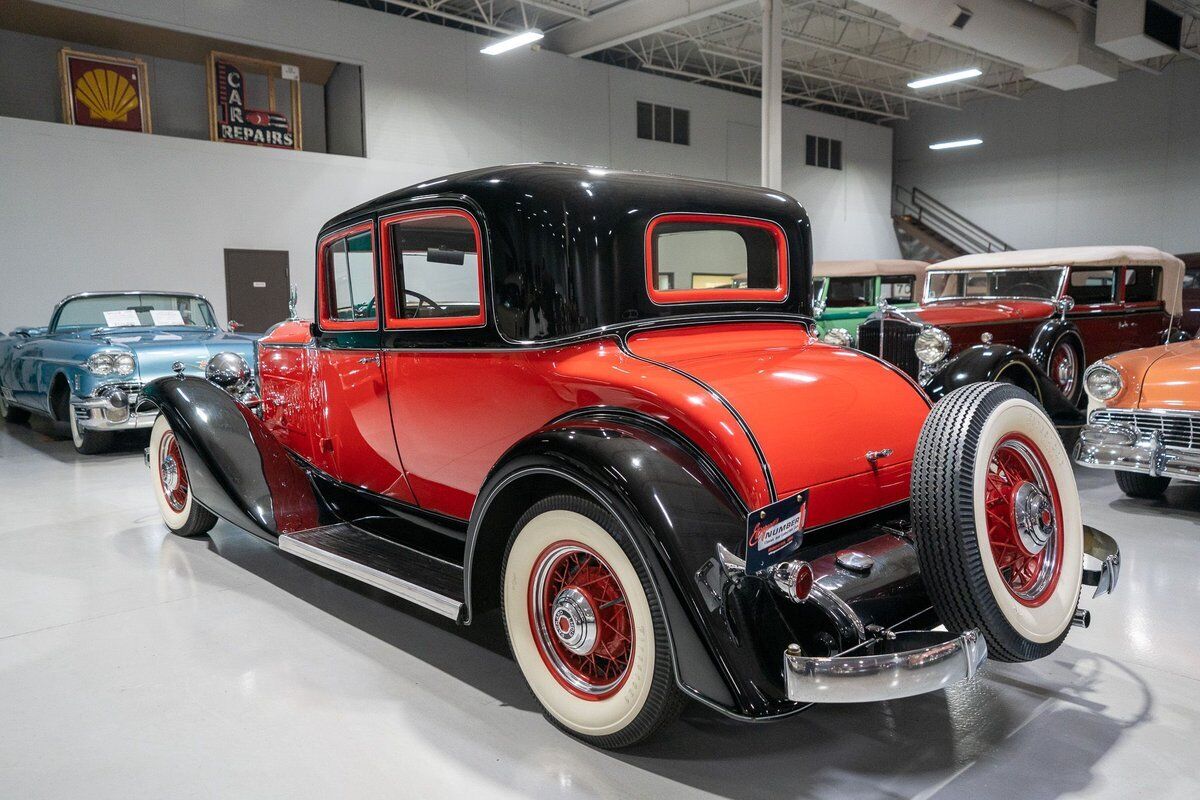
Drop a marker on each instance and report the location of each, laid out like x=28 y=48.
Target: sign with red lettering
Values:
x=774 y=532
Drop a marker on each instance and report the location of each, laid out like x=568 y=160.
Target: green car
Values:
x=845 y=293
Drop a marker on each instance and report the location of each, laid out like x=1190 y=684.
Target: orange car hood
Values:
x=814 y=410
x=1170 y=375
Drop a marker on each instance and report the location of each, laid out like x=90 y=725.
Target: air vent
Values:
x=961 y=18
x=1137 y=29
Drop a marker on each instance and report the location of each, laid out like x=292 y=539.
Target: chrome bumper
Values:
x=1112 y=446
x=901 y=665
x=113 y=411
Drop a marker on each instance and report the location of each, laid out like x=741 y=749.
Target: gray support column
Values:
x=772 y=94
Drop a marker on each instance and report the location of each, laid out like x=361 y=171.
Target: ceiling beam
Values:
x=628 y=21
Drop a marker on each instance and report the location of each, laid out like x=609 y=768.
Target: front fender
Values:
x=676 y=509
x=1006 y=364
x=236 y=468
x=1047 y=337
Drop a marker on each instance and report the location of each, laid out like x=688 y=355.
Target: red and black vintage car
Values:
x=670 y=491
x=1033 y=318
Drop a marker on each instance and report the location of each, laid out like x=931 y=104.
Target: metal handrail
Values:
x=946 y=222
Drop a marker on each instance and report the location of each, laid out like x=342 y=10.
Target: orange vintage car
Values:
x=1144 y=417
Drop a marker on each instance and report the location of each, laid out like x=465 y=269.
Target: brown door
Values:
x=256 y=288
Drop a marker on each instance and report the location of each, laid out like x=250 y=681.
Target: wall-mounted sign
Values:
x=242 y=98
x=104 y=91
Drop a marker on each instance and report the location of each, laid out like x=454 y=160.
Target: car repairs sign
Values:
x=775 y=532
x=231 y=116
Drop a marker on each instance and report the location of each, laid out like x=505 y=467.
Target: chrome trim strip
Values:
x=858 y=675
x=439 y=604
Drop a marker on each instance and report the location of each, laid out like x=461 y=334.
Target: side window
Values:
x=348 y=280
x=850 y=292
x=1141 y=284
x=433 y=271
x=1092 y=286
x=897 y=288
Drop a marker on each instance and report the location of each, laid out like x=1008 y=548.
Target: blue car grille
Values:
x=1175 y=429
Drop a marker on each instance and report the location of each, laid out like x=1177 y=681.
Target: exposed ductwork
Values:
x=1052 y=48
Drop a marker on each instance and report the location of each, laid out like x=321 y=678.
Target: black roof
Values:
x=565 y=242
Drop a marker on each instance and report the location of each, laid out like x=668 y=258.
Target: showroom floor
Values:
x=136 y=664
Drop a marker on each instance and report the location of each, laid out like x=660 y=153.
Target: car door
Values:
x=1098 y=312
x=1146 y=317
x=355 y=444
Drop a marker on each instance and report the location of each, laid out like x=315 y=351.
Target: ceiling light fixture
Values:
x=955 y=143
x=513 y=42
x=947 y=78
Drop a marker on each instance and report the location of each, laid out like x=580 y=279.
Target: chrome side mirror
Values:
x=819 y=307
x=293 y=296
x=1064 y=304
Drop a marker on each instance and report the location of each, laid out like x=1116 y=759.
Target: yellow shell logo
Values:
x=107 y=95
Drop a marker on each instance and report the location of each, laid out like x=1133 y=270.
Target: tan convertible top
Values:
x=1171 y=288
x=865 y=267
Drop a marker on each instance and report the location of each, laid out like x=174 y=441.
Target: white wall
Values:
x=1113 y=164
x=89 y=208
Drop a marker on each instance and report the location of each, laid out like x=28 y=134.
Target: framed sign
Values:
x=104 y=91
x=242 y=96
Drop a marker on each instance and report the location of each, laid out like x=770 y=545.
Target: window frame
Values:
x=1140 y=304
x=325 y=319
x=676 y=296
x=391 y=318
x=1118 y=288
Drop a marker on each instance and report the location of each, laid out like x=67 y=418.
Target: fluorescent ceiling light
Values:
x=513 y=42
x=947 y=78
x=956 y=143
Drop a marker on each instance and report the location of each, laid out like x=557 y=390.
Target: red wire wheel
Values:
x=1024 y=520
x=580 y=620
x=172 y=473
x=1064 y=369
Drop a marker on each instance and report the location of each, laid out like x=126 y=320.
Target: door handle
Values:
x=369 y=360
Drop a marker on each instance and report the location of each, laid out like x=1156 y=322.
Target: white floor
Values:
x=134 y=664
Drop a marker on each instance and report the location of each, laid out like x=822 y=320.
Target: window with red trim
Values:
x=705 y=258
x=433 y=270
x=348 y=280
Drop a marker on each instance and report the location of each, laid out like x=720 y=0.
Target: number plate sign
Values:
x=774 y=532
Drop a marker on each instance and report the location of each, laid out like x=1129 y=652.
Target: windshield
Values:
x=1040 y=283
x=132 y=311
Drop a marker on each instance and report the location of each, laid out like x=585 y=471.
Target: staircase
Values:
x=929 y=230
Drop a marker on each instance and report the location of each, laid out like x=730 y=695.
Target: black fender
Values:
x=1007 y=364
x=1048 y=336
x=236 y=468
x=676 y=508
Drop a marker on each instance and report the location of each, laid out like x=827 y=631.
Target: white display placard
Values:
x=168 y=316
x=123 y=318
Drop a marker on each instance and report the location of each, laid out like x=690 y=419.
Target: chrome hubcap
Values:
x=1034 y=516
x=170 y=473
x=574 y=621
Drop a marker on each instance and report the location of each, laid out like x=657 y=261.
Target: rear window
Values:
x=897 y=288
x=1141 y=284
x=713 y=258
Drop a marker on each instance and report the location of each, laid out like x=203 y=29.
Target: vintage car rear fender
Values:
x=1048 y=336
x=1001 y=362
x=236 y=468
x=677 y=508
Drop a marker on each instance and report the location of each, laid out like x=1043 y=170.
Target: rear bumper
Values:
x=904 y=664
x=1119 y=447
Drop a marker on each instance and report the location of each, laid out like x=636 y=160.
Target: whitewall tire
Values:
x=997 y=520
x=172 y=489
x=585 y=625
x=86 y=442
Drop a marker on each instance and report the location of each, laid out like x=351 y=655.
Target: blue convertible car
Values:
x=88 y=365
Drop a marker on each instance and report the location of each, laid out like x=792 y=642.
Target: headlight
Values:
x=1102 y=382
x=932 y=345
x=110 y=364
x=838 y=337
x=229 y=371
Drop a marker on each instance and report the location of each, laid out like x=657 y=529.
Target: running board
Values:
x=429 y=582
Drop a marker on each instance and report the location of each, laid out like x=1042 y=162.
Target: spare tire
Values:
x=997 y=521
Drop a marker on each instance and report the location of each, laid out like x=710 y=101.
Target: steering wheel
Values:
x=1038 y=291
x=422 y=299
